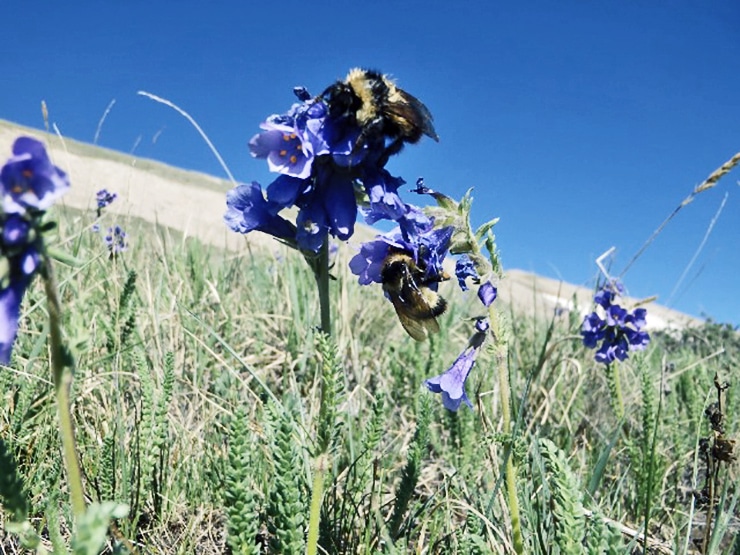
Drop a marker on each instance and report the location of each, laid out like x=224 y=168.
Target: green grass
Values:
x=197 y=404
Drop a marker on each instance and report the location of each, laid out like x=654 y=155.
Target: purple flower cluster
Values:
x=29 y=184
x=116 y=240
x=104 y=198
x=321 y=161
x=619 y=332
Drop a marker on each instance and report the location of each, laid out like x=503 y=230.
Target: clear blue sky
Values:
x=581 y=124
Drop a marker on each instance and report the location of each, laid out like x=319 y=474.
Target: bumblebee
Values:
x=417 y=304
x=380 y=109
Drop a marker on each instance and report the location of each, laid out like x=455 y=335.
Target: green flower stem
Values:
x=616 y=389
x=321 y=272
x=501 y=359
x=61 y=363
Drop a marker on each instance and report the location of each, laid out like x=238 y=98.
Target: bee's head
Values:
x=342 y=101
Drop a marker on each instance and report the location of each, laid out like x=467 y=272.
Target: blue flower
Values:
x=451 y=384
x=29 y=180
x=29 y=184
x=464 y=268
x=335 y=191
x=116 y=240
x=104 y=198
x=322 y=156
x=592 y=330
x=428 y=250
x=247 y=210
x=19 y=247
x=290 y=142
x=368 y=263
x=382 y=190
x=487 y=293
x=619 y=331
x=284 y=148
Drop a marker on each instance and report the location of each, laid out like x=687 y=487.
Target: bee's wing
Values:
x=412 y=109
x=416 y=310
x=417 y=328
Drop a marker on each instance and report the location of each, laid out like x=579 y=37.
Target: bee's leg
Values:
x=393 y=148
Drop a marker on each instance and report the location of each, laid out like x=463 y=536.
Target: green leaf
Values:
x=64 y=258
x=26 y=535
x=485 y=228
x=92 y=527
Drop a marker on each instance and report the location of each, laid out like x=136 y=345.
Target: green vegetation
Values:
x=196 y=403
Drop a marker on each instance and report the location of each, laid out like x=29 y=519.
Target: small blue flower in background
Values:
x=619 y=331
x=104 y=198
x=451 y=384
x=30 y=184
x=29 y=180
x=116 y=240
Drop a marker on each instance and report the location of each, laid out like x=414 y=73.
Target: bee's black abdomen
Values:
x=439 y=308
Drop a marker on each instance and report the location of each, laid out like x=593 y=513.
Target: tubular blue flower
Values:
x=247 y=210
x=311 y=225
x=451 y=384
x=464 y=268
x=432 y=250
x=487 y=293
x=286 y=190
x=337 y=194
x=619 y=331
x=382 y=190
x=29 y=180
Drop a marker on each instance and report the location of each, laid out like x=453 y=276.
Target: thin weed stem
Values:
x=708 y=183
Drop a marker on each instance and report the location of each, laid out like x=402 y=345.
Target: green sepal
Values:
x=445 y=202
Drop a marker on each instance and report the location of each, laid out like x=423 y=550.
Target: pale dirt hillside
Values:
x=194 y=203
